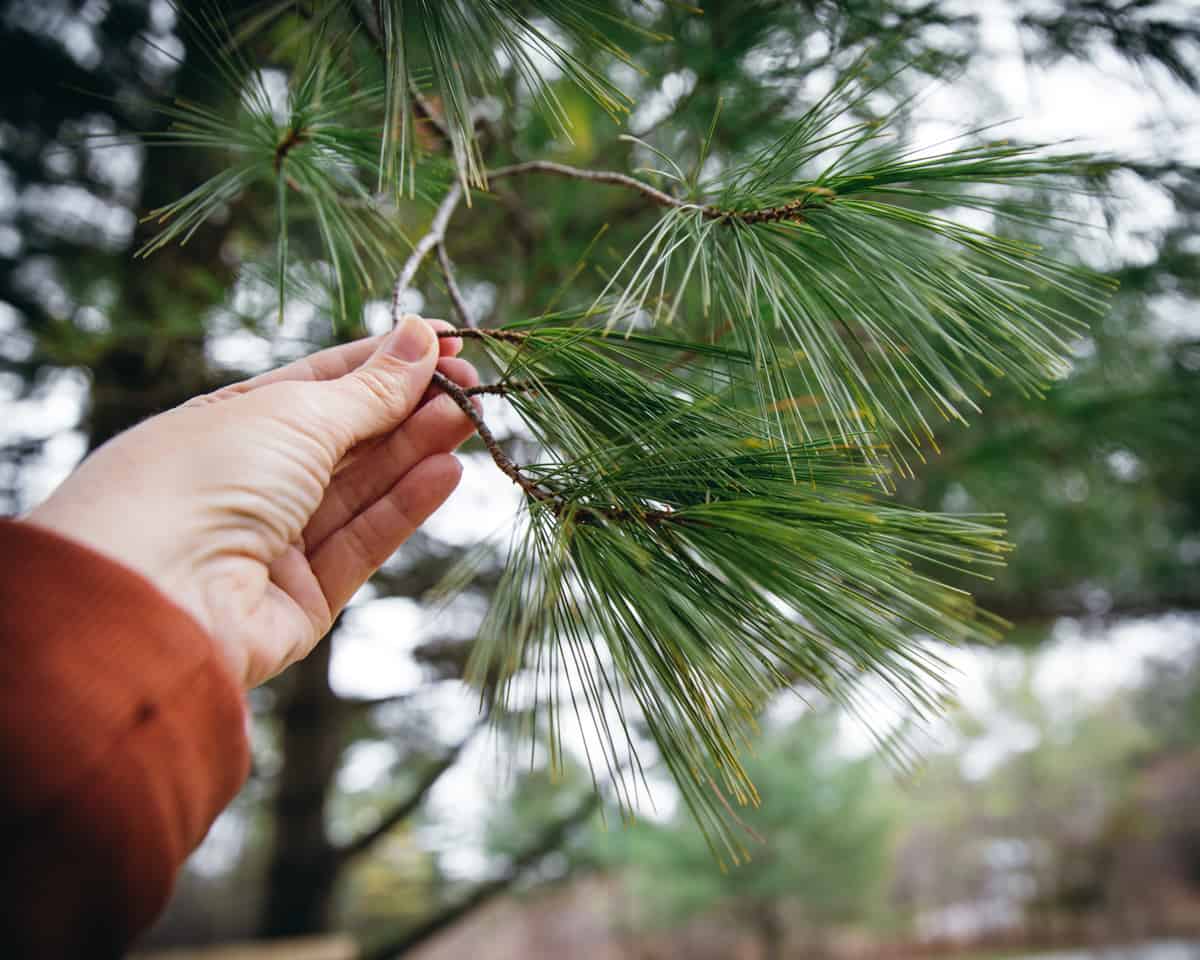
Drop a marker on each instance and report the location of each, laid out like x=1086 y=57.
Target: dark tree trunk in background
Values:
x=157 y=359
x=770 y=932
x=303 y=866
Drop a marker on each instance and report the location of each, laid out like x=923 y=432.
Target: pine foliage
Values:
x=670 y=528
x=708 y=520
x=836 y=237
x=467 y=46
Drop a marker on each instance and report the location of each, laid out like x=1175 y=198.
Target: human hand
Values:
x=261 y=508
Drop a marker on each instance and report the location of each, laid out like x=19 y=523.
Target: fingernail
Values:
x=410 y=340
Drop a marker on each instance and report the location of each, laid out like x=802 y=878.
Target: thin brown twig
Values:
x=502 y=389
x=792 y=211
x=579 y=512
x=502 y=459
x=481 y=333
x=456 y=297
x=293 y=138
x=437 y=232
x=596 y=176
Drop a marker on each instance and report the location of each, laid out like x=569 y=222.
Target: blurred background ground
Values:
x=1057 y=807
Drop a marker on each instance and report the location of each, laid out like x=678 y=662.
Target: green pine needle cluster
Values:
x=316 y=149
x=674 y=537
x=836 y=242
x=467 y=48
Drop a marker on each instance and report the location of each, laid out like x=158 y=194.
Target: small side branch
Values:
x=580 y=512
x=503 y=389
x=792 y=211
x=456 y=297
x=502 y=459
x=435 y=236
x=596 y=176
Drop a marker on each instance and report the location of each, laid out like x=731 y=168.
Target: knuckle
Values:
x=391 y=383
x=380 y=387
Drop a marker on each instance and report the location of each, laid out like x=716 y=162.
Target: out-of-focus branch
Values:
x=406 y=807
x=368 y=15
x=370 y=703
x=424 y=109
x=549 y=840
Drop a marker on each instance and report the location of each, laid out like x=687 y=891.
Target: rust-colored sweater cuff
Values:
x=122 y=736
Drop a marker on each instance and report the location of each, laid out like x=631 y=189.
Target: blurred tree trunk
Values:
x=303 y=866
x=770 y=931
x=552 y=837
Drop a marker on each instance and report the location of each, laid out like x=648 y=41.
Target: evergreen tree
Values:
x=823 y=826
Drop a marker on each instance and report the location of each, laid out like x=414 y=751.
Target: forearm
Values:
x=122 y=736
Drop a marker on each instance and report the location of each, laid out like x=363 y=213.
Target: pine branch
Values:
x=716 y=566
x=423 y=247
x=434 y=239
x=456 y=297
x=550 y=839
x=890 y=313
x=307 y=150
x=407 y=806
x=792 y=210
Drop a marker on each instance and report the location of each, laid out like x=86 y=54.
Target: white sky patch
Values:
x=1082 y=664
x=53 y=411
x=365 y=765
x=372 y=654
x=656 y=106
x=267 y=91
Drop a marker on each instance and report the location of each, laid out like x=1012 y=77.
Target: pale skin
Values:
x=261 y=508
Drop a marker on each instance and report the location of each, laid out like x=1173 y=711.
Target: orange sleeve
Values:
x=122 y=736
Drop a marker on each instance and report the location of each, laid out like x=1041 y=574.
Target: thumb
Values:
x=380 y=394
